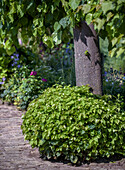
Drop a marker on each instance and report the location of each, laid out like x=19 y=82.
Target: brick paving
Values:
x=16 y=154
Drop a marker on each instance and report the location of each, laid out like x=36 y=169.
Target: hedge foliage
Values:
x=74 y=124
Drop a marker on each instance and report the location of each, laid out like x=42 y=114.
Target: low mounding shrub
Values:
x=73 y=124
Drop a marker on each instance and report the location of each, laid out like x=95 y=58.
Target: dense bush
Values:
x=74 y=124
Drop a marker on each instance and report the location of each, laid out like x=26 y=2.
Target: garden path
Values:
x=16 y=154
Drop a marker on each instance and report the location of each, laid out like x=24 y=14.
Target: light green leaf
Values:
x=58 y=154
x=11 y=17
x=40 y=22
x=109 y=15
x=86 y=8
x=89 y=18
x=20 y=10
x=112 y=52
x=41 y=142
x=30 y=4
x=35 y=21
x=73 y=159
x=35 y=32
x=120 y=1
x=120 y=51
x=74 y=3
x=82 y=132
x=39 y=8
x=57 y=37
x=48 y=41
x=64 y=22
x=100 y=22
x=52 y=9
x=11 y=50
x=13 y=9
x=106 y=6
x=114 y=41
x=57 y=26
x=54 y=35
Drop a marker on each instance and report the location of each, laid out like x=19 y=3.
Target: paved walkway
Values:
x=16 y=154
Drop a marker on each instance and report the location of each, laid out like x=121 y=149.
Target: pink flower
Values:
x=33 y=73
x=45 y=80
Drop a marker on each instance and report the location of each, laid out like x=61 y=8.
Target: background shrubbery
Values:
x=52 y=66
x=73 y=124
x=114 y=82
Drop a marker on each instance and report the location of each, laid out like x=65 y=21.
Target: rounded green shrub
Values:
x=74 y=124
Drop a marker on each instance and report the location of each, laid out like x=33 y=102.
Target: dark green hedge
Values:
x=72 y=123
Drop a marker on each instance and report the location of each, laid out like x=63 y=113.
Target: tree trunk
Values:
x=88 y=65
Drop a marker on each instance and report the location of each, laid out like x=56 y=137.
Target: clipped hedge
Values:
x=74 y=124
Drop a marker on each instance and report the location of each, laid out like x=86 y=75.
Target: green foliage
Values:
x=73 y=124
x=74 y=4
x=10 y=88
x=29 y=89
x=54 y=20
x=5 y=63
x=107 y=6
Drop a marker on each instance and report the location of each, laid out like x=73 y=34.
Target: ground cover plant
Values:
x=73 y=124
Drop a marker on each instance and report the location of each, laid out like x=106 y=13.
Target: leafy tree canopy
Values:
x=54 y=21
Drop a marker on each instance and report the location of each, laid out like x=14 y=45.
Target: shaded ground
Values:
x=16 y=154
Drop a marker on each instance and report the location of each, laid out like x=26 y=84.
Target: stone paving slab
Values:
x=17 y=154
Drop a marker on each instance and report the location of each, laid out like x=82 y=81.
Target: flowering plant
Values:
x=114 y=82
x=33 y=73
x=26 y=85
x=45 y=80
